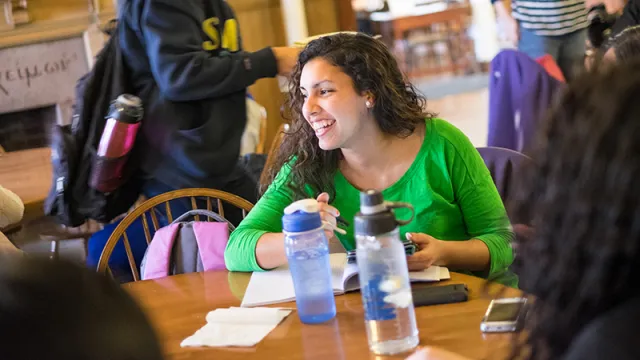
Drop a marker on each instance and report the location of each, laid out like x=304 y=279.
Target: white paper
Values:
x=269 y=287
x=253 y=316
x=276 y=286
x=236 y=327
x=433 y=273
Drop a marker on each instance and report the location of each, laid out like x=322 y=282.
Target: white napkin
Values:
x=236 y=327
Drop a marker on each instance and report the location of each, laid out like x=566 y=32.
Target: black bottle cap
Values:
x=374 y=217
x=126 y=108
x=371 y=198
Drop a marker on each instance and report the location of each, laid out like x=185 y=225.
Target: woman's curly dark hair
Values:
x=398 y=108
x=583 y=193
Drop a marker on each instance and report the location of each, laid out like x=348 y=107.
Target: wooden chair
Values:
x=149 y=207
x=273 y=150
x=262 y=138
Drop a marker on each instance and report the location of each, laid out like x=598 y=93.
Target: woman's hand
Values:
x=430 y=251
x=286 y=57
x=327 y=213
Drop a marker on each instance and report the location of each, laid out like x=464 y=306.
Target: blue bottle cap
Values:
x=301 y=216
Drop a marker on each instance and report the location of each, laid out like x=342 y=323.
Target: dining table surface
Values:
x=28 y=173
x=177 y=306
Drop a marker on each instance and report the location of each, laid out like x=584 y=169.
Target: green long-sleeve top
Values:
x=448 y=184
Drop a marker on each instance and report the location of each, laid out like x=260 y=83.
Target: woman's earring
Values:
x=368 y=103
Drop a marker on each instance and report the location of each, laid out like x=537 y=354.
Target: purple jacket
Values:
x=520 y=93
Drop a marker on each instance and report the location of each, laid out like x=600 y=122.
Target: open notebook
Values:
x=276 y=286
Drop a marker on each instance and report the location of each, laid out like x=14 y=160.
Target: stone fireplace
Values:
x=27 y=129
x=37 y=85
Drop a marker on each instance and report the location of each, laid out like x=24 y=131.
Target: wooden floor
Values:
x=469 y=112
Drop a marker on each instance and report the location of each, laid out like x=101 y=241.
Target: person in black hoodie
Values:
x=188 y=67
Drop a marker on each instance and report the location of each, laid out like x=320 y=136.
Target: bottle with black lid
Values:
x=384 y=276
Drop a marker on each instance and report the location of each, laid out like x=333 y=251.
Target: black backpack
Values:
x=71 y=200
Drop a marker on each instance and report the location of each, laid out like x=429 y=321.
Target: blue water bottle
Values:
x=307 y=251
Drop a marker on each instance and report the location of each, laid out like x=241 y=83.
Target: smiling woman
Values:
x=357 y=124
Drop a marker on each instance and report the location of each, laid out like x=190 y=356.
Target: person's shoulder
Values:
x=441 y=129
x=610 y=336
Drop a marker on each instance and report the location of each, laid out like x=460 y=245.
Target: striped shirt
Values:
x=550 y=17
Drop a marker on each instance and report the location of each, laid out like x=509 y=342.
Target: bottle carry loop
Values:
x=400 y=205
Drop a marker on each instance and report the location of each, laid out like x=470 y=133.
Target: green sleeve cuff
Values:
x=500 y=251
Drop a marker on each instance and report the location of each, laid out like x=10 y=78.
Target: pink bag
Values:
x=185 y=247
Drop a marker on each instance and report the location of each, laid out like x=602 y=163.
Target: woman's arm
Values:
x=258 y=242
x=270 y=251
x=482 y=208
x=470 y=255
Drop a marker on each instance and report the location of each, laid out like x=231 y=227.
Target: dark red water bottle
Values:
x=118 y=138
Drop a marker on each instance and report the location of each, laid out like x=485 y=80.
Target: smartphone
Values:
x=504 y=315
x=409 y=248
x=435 y=295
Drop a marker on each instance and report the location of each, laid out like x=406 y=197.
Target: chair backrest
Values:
x=521 y=92
x=273 y=150
x=150 y=209
x=262 y=139
x=503 y=164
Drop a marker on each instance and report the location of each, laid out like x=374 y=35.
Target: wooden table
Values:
x=177 y=306
x=28 y=173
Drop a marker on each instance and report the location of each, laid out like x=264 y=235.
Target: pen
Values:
x=342 y=221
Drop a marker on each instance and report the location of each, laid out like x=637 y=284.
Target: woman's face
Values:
x=332 y=107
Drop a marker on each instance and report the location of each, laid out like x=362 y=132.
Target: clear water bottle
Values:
x=307 y=251
x=390 y=318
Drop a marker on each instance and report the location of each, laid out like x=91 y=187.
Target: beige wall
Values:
x=261 y=24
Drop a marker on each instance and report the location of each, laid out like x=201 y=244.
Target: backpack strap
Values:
x=212 y=239
x=158 y=256
x=207 y=213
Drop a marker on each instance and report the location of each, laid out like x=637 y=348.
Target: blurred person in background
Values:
x=629 y=13
x=583 y=262
x=624 y=47
x=363 y=10
x=59 y=310
x=603 y=18
x=621 y=48
x=553 y=27
x=187 y=63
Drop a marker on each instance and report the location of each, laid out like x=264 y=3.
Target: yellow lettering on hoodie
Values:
x=229 y=35
x=209 y=28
